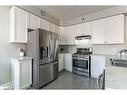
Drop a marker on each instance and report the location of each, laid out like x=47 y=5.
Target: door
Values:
x=21 y=24
x=71 y=35
x=34 y=21
x=79 y=29
x=68 y=62
x=53 y=46
x=115 y=27
x=47 y=73
x=87 y=28
x=26 y=73
x=98 y=31
x=44 y=46
x=61 y=62
x=44 y=24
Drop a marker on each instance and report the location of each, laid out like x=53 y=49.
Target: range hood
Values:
x=83 y=37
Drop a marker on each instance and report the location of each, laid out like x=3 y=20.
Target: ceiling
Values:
x=70 y=12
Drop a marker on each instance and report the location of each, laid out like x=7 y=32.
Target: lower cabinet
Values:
x=61 y=61
x=97 y=65
x=21 y=71
x=68 y=62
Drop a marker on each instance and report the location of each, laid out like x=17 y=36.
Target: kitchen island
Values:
x=115 y=76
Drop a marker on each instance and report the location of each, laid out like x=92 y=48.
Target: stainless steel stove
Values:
x=82 y=62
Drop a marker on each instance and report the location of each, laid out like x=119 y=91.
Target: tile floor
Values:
x=68 y=80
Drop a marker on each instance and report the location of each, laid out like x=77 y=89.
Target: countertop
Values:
x=115 y=76
x=22 y=58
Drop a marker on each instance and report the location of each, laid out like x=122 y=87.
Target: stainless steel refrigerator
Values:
x=43 y=46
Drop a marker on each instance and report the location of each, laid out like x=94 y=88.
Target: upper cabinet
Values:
x=34 y=21
x=98 y=31
x=51 y=27
x=115 y=30
x=57 y=29
x=83 y=29
x=87 y=28
x=71 y=35
x=18 y=25
x=104 y=30
x=44 y=24
x=63 y=35
x=79 y=28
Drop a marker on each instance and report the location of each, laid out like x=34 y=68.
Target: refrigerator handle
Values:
x=50 y=47
x=56 y=49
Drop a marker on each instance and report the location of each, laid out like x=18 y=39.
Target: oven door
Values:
x=81 y=65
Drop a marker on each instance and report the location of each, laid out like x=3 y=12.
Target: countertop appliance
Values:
x=42 y=46
x=82 y=62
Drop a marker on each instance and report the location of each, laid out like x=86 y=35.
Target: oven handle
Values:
x=87 y=59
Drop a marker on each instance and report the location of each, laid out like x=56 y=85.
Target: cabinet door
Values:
x=87 y=28
x=44 y=24
x=115 y=29
x=62 y=35
x=51 y=27
x=57 y=29
x=26 y=73
x=98 y=31
x=34 y=21
x=71 y=35
x=97 y=65
x=61 y=62
x=79 y=28
x=18 y=25
x=68 y=62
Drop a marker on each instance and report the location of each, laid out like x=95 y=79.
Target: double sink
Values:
x=120 y=61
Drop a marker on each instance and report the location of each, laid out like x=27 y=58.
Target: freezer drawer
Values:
x=47 y=73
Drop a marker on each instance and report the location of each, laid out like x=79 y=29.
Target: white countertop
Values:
x=22 y=58
x=115 y=76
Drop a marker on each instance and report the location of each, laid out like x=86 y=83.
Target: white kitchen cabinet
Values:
x=57 y=29
x=115 y=29
x=104 y=30
x=71 y=35
x=18 y=25
x=79 y=28
x=61 y=61
x=62 y=35
x=87 y=28
x=83 y=29
x=97 y=65
x=44 y=24
x=68 y=62
x=34 y=21
x=51 y=27
x=98 y=31
x=21 y=71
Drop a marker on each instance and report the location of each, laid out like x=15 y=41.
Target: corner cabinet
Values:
x=21 y=71
x=18 y=25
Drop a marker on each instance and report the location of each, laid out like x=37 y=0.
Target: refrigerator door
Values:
x=44 y=46
x=47 y=73
x=53 y=46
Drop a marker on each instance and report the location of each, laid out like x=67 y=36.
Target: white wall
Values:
x=6 y=49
